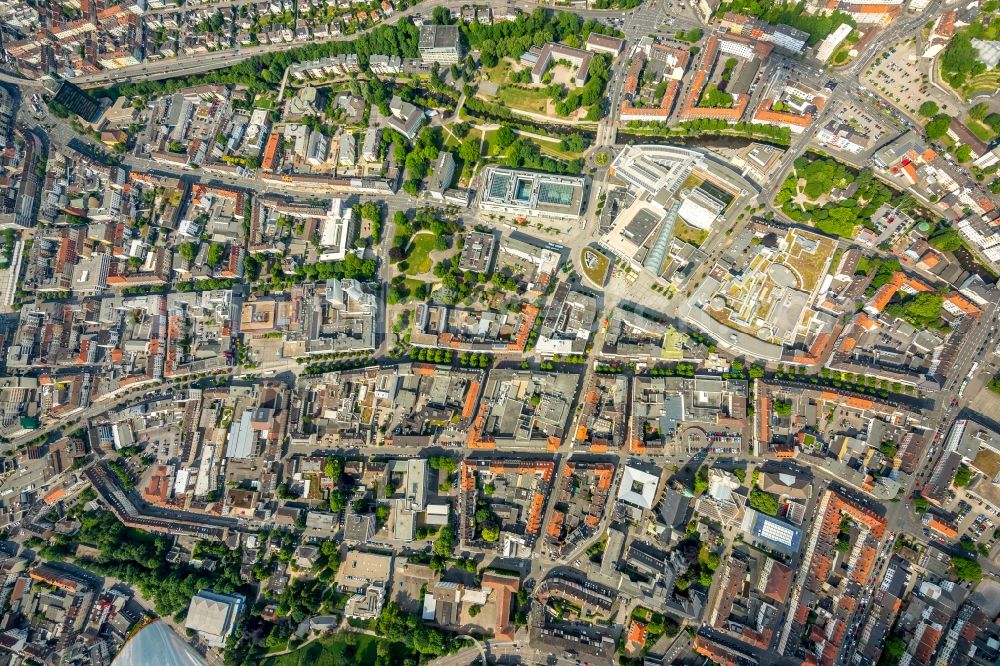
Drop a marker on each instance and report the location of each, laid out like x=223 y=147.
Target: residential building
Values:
x=441 y=177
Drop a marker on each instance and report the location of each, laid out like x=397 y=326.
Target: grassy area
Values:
x=451 y=141
x=552 y=149
x=687 y=233
x=980 y=130
x=533 y=100
x=842 y=55
x=413 y=287
x=691 y=181
x=809 y=266
x=418 y=253
x=332 y=651
x=498 y=74
x=490 y=148
x=595 y=266
x=985 y=82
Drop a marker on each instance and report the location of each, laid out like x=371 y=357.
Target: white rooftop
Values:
x=638 y=488
x=721 y=485
x=213 y=615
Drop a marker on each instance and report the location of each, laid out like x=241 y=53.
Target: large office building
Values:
x=214 y=616
x=77 y=101
x=528 y=194
x=440 y=43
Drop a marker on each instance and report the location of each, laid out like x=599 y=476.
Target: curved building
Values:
x=157 y=644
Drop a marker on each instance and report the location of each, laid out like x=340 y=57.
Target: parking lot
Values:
x=863 y=122
x=901 y=77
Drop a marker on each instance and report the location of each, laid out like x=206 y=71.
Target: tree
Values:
x=504 y=137
x=336 y=501
x=979 y=111
x=574 y=143
x=444 y=544
x=960 y=59
x=963 y=153
x=946 y=239
x=967 y=568
x=443 y=463
x=922 y=310
x=763 y=501
x=188 y=251
x=929 y=109
x=938 y=127
x=962 y=477
x=491 y=533
x=468 y=152
x=215 y=253
x=701 y=480
x=333 y=468
x=441 y=16
x=893 y=651
x=994 y=384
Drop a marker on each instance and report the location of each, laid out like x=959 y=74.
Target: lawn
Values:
x=552 y=149
x=412 y=285
x=809 y=266
x=451 y=142
x=418 y=253
x=988 y=462
x=987 y=82
x=595 y=265
x=688 y=234
x=980 y=130
x=490 y=148
x=533 y=100
x=331 y=651
x=499 y=73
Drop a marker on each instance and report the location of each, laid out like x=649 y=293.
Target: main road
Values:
x=199 y=63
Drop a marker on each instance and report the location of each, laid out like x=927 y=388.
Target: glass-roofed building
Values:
x=529 y=194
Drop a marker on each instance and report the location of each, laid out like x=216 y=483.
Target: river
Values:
x=731 y=142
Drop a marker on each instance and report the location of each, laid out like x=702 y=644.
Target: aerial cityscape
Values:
x=597 y=332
